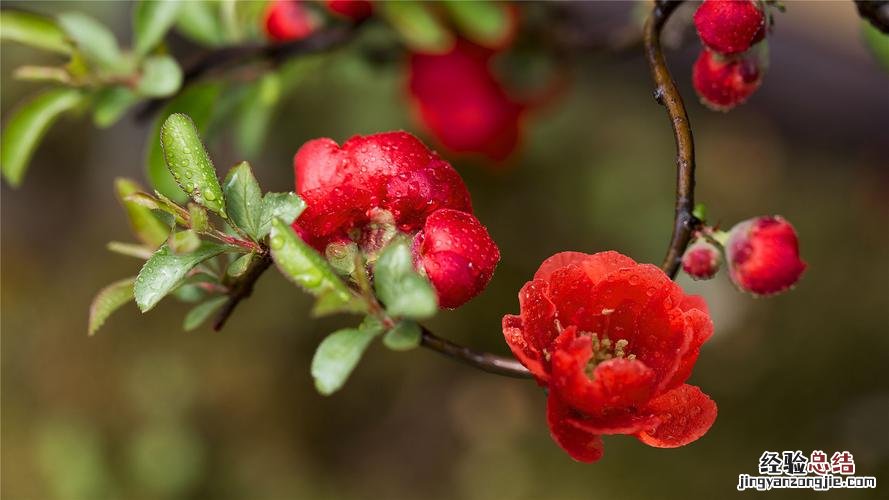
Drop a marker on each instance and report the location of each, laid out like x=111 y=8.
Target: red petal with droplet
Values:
x=580 y=444
x=684 y=414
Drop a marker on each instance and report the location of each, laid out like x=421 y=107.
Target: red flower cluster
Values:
x=463 y=104
x=614 y=342
x=763 y=255
x=731 y=66
x=393 y=178
x=287 y=20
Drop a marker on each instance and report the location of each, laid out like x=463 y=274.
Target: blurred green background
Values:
x=145 y=411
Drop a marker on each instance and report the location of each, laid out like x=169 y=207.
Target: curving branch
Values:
x=488 y=362
x=242 y=288
x=667 y=94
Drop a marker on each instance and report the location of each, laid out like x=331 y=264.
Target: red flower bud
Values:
x=287 y=20
x=723 y=83
x=463 y=104
x=701 y=260
x=614 y=342
x=457 y=254
x=353 y=9
x=730 y=26
x=763 y=255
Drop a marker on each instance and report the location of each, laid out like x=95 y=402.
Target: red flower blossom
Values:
x=724 y=83
x=701 y=260
x=463 y=104
x=353 y=9
x=614 y=342
x=730 y=26
x=392 y=177
x=457 y=254
x=287 y=20
x=763 y=255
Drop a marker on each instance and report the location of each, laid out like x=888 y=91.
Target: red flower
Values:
x=463 y=104
x=353 y=9
x=763 y=255
x=730 y=26
x=614 y=342
x=392 y=177
x=723 y=83
x=701 y=260
x=457 y=254
x=287 y=20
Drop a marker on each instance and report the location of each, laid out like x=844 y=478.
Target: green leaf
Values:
x=342 y=256
x=108 y=300
x=483 y=22
x=198 y=314
x=161 y=77
x=240 y=265
x=151 y=21
x=200 y=21
x=243 y=199
x=405 y=336
x=878 y=42
x=200 y=222
x=95 y=41
x=404 y=292
x=147 y=228
x=184 y=242
x=111 y=103
x=27 y=126
x=417 y=25
x=302 y=265
x=141 y=252
x=198 y=102
x=34 y=30
x=190 y=164
x=337 y=356
x=164 y=270
x=256 y=113
x=284 y=206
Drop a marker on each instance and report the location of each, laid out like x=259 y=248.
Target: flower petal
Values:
x=702 y=329
x=580 y=444
x=685 y=414
x=597 y=265
x=538 y=315
x=527 y=354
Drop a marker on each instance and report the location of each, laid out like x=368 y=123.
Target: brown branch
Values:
x=488 y=362
x=242 y=288
x=239 y=55
x=666 y=93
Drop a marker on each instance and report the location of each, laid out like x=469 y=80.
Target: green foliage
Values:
x=417 y=25
x=240 y=265
x=406 y=335
x=338 y=354
x=28 y=125
x=190 y=164
x=284 y=206
x=404 y=292
x=199 y=20
x=256 y=113
x=877 y=42
x=165 y=270
x=95 y=41
x=151 y=21
x=147 y=228
x=199 y=314
x=484 y=22
x=243 y=199
x=111 y=103
x=161 y=77
x=34 y=30
x=108 y=300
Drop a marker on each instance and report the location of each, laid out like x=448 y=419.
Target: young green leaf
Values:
x=256 y=112
x=151 y=21
x=405 y=336
x=198 y=314
x=200 y=21
x=190 y=164
x=27 y=126
x=417 y=25
x=111 y=103
x=34 y=30
x=243 y=199
x=108 y=300
x=200 y=221
x=197 y=101
x=302 y=265
x=404 y=292
x=161 y=76
x=239 y=266
x=331 y=302
x=164 y=270
x=147 y=228
x=183 y=242
x=483 y=22
x=140 y=252
x=284 y=206
x=95 y=41
x=337 y=356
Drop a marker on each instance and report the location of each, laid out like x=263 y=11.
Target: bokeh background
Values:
x=145 y=411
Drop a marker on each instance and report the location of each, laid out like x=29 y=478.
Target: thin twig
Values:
x=488 y=362
x=242 y=288
x=666 y=93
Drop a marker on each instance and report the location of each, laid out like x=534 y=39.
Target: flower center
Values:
x=604 y=349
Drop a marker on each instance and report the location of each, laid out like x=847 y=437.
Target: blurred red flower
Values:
x=287 y=20
x=763 y=255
